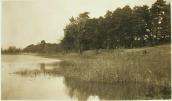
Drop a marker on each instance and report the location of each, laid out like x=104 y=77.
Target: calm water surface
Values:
x=46 y=86
x=31 y=87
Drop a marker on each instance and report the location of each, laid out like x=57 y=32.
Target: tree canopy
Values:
x=122 y=28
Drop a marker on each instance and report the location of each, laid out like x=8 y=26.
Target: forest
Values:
x=122 y=28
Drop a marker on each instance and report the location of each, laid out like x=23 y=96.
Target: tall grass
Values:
x=129 y=65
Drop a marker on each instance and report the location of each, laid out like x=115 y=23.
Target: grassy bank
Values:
x=150 y=65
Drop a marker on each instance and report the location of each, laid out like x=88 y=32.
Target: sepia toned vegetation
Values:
x=42 y=47
x=108 y=46
x=131 y=65
x=125 y=49
x=122 y=28
x=147 y=68
x=113 y=48
x=11 y=50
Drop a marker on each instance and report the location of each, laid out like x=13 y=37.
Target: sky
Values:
x=26 y=22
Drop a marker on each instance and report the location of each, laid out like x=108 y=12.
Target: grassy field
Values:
x=151 y=65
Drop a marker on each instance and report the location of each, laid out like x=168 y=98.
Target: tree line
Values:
x=41 y=47
x=122 y=28
x=11 y=50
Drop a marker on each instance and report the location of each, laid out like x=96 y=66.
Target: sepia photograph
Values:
x=85 y=50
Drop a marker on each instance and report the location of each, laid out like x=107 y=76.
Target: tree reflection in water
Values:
x=114 y=91
x=82 y=90
x=42 y=66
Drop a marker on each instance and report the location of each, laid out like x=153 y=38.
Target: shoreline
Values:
x=120 y=65
x=123 y=66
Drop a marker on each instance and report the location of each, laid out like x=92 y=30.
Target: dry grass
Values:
x=142 y=73
x=124 y=65
x=150 y=65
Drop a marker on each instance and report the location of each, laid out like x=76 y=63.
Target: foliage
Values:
x=119 y=65
x=122 y=28
x=11 y=50
x=42 y=47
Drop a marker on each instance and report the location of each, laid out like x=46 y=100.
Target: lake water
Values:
x=41 y=85
x=19 y=87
